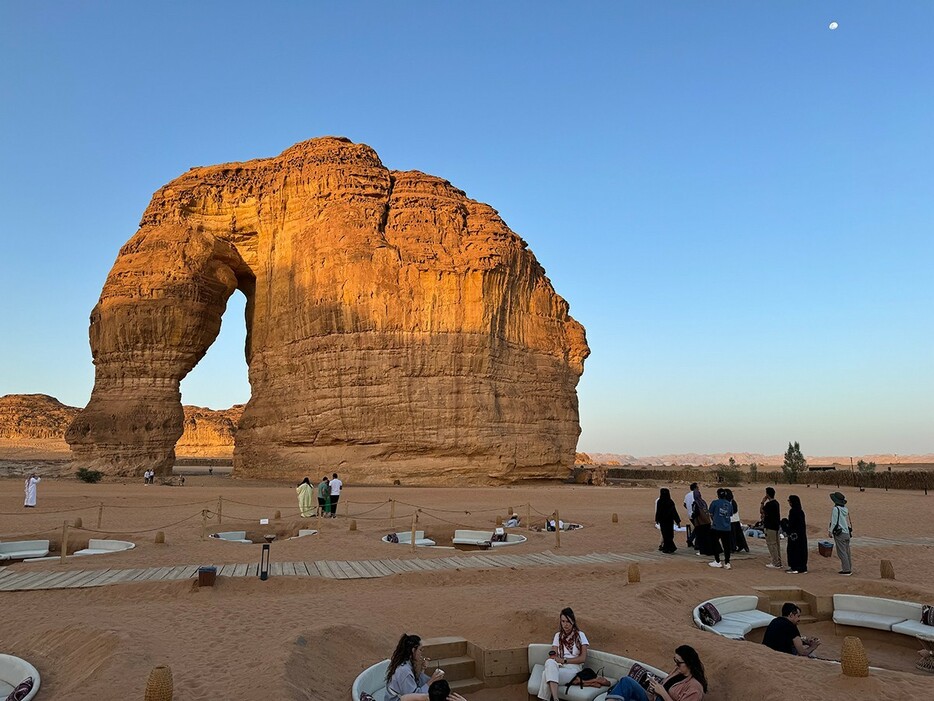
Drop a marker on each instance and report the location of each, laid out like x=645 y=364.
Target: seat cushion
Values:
x=756 y=619
x=732 y=629
x=913 y=628
x=865 y=620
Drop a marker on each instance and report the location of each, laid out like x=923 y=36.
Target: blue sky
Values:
x=736 y=201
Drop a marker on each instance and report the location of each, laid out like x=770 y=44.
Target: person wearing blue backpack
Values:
x=721 y=510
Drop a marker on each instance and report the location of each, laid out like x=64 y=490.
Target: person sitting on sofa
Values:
x=782 y=634
x=405 y=676
x=441 y=691
x=687 y=682
x=567 y=656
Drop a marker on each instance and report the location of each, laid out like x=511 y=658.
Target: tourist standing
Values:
x=666 y=516
x=841 y=527
x=797 y=530
x=738 y=539
x=305 y=498
x=30 y=490
x=720 y=512
x=703 y=540
x=771 y=522
x=689 y=510
x=336 y=485
x=324 y=497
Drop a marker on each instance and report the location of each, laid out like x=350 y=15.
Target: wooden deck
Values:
x=20 y=580
x=330 y=569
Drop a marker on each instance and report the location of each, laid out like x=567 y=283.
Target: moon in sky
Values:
x=833 y=25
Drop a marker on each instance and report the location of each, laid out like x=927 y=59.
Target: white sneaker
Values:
x=792 y=572
x=774 y=567
x=727 y=566
x=715 y=564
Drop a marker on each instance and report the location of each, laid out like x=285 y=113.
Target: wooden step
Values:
x=781 y=593
x=455 y=668
x=439 y=648
x=466 y=686
x=775 y=607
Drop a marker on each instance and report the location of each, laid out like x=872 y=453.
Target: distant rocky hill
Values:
x=744 y=459
x=37 y=422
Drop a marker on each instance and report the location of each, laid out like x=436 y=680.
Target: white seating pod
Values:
x=614 y=668
x=23 y=549
x=739 y=616
x=101 y=546
x=882 y=614
x=13 y=671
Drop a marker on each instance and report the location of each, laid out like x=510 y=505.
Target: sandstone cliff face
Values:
x=208 y=433
x=27 y=417
x=395 y=328
x=38 y=422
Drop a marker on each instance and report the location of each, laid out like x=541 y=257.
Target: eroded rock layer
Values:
x=395 y=328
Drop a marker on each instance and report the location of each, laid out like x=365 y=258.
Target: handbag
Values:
x=587 y=677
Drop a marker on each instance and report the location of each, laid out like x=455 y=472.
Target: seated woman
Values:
x=567 y=656
x=405 y=678
x=688 y=682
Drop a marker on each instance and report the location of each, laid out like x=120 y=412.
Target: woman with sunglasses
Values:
x=688 y=682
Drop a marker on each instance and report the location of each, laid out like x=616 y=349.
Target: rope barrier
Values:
x=146 y=530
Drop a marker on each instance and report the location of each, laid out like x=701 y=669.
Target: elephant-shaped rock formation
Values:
x=396 y=330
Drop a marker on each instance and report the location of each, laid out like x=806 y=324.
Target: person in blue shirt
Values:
x=721 y=510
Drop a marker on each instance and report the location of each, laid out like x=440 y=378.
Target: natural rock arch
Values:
x=395 y=328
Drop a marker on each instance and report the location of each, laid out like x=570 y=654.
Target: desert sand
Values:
x=307 y=638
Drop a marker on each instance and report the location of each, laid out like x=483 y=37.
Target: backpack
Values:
x=392 y=538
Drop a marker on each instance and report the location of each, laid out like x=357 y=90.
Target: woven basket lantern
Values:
x=853 y=659
x=353 y=524
x=886 y=569
x=499 y=520
x=634 y=574
x=160 y=537
x=278 y=515
x=615 y=518
x=159 y=684
x=79 y=523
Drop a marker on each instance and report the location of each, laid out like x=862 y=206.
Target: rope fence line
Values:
x=219 y=515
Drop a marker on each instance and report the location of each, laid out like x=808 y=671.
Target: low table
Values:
x=926 y=663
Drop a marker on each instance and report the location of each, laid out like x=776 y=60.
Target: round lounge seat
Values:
x=614 y=668
x=13 y=671
x=739 y=615
x=232 y=536
x=101 y=546
x=405 y=538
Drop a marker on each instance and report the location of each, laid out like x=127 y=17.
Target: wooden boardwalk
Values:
x=329 y=569
x=20 y=580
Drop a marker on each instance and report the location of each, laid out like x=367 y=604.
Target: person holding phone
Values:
x=687 y=682
x=566 y=658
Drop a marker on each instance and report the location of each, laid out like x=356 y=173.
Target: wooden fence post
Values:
x=414 y=522
x=204 y=523
x=528 y=515
x=64 y=540
x=392 y=513
x=557 y=530
x=220 y=510
x=100 y=515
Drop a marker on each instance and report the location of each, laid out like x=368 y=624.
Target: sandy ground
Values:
x=307 y=638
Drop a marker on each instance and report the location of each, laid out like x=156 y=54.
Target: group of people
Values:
x=794 y=527
x=716 y=528
x=149 y=477
x=407 y=678
x=328 y=493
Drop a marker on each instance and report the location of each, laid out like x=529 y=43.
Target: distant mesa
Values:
x=40 y=421
x=396 y=330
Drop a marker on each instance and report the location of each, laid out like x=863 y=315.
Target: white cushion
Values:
x=893 y=608
x=913 y=628
x=865 y=620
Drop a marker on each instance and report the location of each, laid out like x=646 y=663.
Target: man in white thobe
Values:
x=31 y=483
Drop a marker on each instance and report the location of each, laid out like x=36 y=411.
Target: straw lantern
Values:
x=159 y=684
x=886 y=569
x=160 y=537
x=853 y=659
x=634 y=574
x=615 y=518
x=79 y=523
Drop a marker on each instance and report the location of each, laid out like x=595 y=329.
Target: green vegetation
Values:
x=864 y=466
x=794 y=463
x=89 y=476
